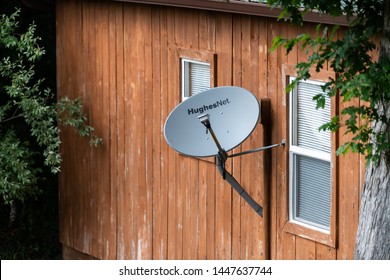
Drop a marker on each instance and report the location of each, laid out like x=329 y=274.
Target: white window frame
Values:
x=185 y=76
x=300 y=151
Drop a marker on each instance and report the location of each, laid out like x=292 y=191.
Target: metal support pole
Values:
x=238 y=188
x=220 y=161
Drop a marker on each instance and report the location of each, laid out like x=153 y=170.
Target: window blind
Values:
x=313 y=191
x=199 y=77
x=309 y=119
x=195 y=77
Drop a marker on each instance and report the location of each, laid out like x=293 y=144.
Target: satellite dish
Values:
x=212 y=123
x=233 y=111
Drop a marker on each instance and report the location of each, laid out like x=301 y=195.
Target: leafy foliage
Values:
x=358 y=75
x=18 y=176
x=29 y=114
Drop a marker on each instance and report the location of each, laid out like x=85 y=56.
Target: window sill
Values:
x=317 y=235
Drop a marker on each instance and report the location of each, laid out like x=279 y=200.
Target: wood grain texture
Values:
x=136 y=198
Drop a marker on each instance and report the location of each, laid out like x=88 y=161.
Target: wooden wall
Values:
x=136 y=198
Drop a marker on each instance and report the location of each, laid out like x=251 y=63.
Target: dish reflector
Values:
x=233 y=112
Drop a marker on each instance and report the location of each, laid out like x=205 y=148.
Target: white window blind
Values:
x=195 y=77
x=309 y=119
x=310 y=167
x=312 y=191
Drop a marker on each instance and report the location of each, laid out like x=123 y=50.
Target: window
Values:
x=310 y=182
x=310 y=193
x=195 y=77
x=197 y=71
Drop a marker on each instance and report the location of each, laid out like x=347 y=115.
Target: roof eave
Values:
x=241 y=7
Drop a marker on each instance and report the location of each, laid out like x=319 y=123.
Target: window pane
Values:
x=199 y=77
x=309 y=119
x=195 y=77
x=312 y=191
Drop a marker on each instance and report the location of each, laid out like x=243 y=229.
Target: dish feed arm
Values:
x=238 y=188
x=220 y=161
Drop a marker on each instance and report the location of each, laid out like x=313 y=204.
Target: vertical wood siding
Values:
x=136 y=198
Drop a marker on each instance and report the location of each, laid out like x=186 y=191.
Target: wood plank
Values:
x=325 y=253
x=164 y=114
x=120 y=132
x=257 y=140
x=211 y=217
x=137 y=76
x=142 y=88
x=305 y=249
x=265 y=135
x=74 y=193
x=159 y=186
x=206 y=31
x=84 y=164
x=175 y=203
x=110 y=252
x=107 y=191
x=276 y=216
x=236 y=162
x=128 y=197
x=252 y=164
x=149 y=123
x=349 y=191
x=98 y=121
x=246 y=212
x=348 y=196
x=190 y=171
x=183 y=163
x=223 y=194
x=206 y=184
x=283 y=244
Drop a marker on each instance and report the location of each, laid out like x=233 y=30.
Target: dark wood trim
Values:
x=69 y=253
x=240 y=7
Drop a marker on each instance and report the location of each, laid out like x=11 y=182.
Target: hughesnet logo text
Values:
x=204 y=108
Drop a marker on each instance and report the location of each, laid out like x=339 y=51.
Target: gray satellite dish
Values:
x=233 y=112
x=212 y=123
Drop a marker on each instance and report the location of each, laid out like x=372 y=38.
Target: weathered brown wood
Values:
x=128 y=207
x=252 y=165
x=283 y=244
x=223 y=193
x=135 y=197
x=325 y=253
x=119 y=134
x=111 y=252
x=76 y=221
x=245 y=180
x=207 y=169
x=149 y=123
x=159 y=233
x=243 y=7
x=236 y=162
x=91 y=87
x=305 y=249
x=348 y=198
x=264 y=139
x=173 y=98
